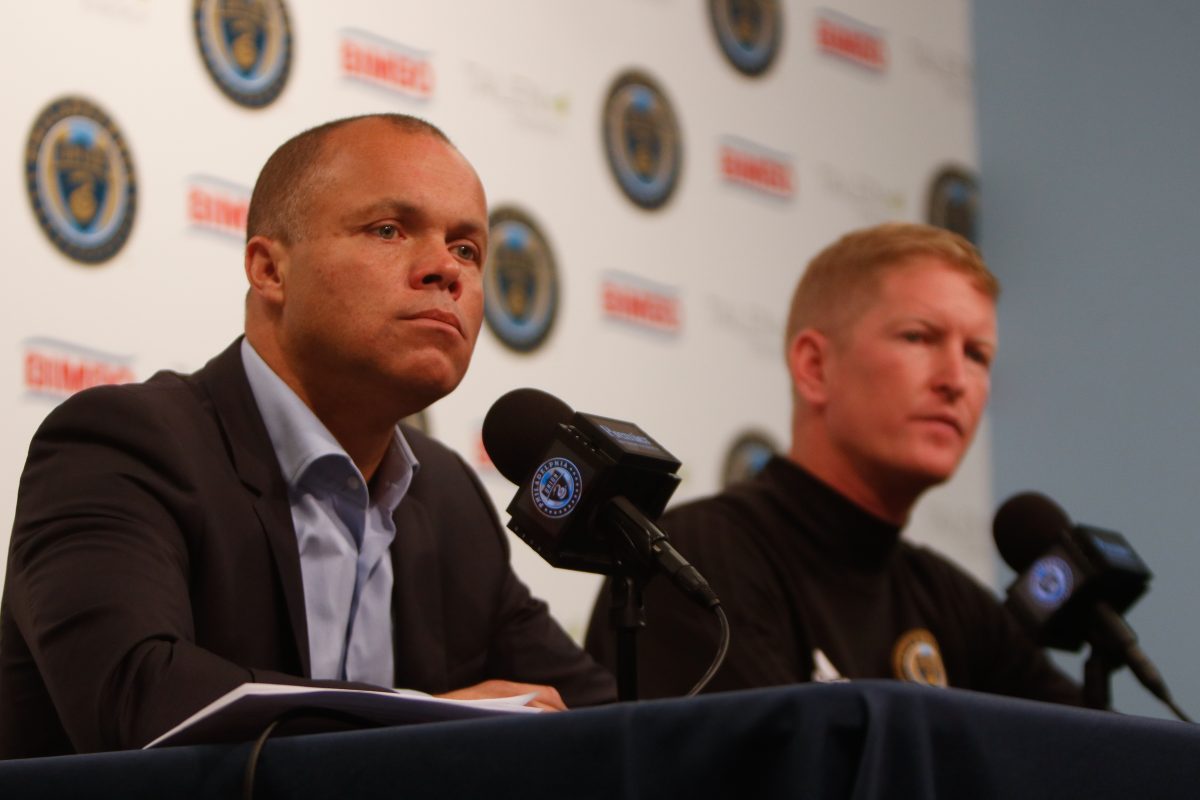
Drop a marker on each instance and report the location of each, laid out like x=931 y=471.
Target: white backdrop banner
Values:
x=658 y=171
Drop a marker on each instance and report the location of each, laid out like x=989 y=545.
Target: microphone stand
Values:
x=624 y=526
x=1106 y=655
x=640 y=550
x=1115 y=645
x=627 y=615
x=1097 y=673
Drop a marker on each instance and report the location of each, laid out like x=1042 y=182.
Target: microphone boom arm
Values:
x=635 y=538
x=652 y=549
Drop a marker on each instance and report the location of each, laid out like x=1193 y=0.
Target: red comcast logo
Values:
x=218 y=206
x=373 y=60
x=632 y=300
x=59 y=369
x=849 y=39
x=757 y=168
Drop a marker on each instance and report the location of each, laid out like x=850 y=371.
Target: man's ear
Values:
x=266 y=268
x=808 y=361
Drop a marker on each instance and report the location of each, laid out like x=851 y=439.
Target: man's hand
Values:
x=545 y=697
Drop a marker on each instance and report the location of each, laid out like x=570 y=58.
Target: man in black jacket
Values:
x=889 y=344
x=266 y=519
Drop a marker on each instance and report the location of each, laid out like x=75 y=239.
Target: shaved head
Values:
x=293 y=173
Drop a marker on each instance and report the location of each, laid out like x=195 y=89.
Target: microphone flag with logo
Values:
x=589 y=487
x=1074 y=583
x=1063 y=569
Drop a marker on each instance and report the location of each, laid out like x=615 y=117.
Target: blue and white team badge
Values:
x=642 y=140
x=916 y=658
x=520 y=281
x=748 y=454
x=556 y=488
x=1050 y=581
x=80 y=180
x=749 y=32
x=246 y=46
x=954 y=202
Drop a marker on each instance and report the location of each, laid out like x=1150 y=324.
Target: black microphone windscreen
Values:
x=519 y=427
x=1026 y=526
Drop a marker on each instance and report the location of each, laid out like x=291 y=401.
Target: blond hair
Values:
x=841 y=280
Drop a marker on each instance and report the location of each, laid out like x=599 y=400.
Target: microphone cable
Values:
x=722 y=650
x=252 y=760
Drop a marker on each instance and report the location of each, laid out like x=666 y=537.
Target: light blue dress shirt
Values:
x=343 y=530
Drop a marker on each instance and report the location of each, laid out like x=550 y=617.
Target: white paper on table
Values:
x=243 y=713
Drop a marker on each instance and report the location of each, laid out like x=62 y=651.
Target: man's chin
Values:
x=425 y=392
x=930 y=474
x=414 y=384
x=924 y=470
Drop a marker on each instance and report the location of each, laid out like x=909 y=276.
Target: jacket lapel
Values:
x=418 y=621
x=223 y=379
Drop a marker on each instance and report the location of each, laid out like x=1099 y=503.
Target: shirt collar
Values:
x=300 y=438
x=841 y=526
x=396 y=472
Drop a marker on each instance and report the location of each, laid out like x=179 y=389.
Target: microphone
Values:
x=1073 y=584
x=1064 y=570
x=589 y=486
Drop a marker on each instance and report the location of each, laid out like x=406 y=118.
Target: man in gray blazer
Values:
x=266 y=518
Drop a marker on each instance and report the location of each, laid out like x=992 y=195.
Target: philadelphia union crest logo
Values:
x=642 y=141
x=556 y=488
x=80 y=180
x=916 y=658
x=1050 y=581
x=246 y=46
x=748 y=32
x=748 y=454
x=520 y=281
x=954 y=202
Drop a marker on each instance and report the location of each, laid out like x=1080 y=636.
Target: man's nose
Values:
x=436 y=267
x=951 y=377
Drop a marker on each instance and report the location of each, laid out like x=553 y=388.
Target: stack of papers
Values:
x=242 y=714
